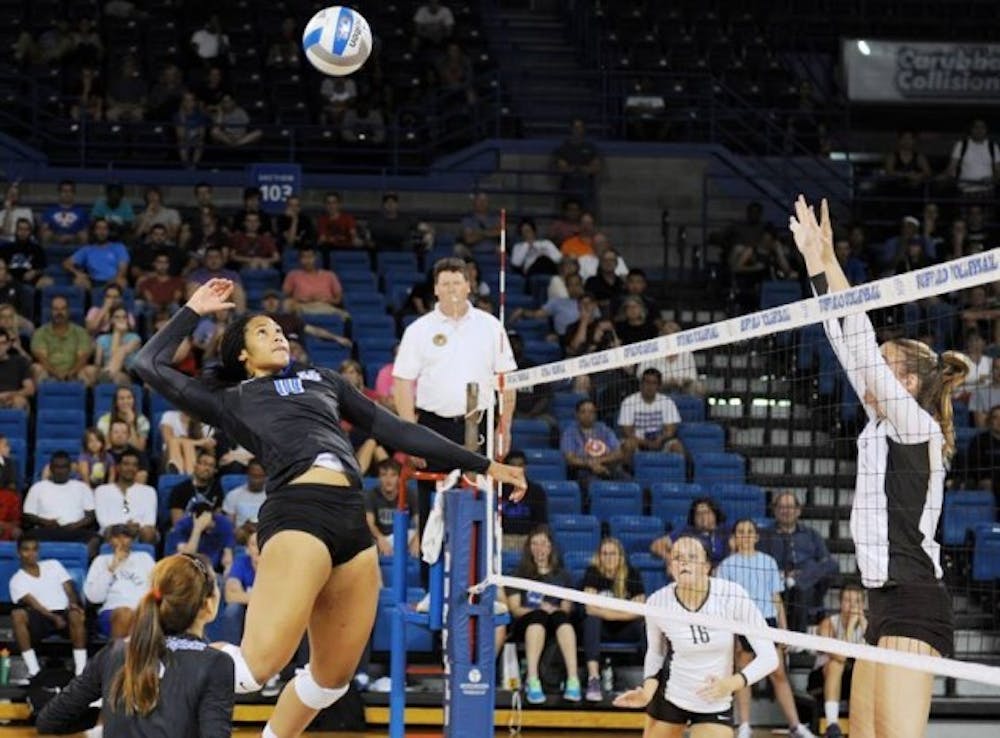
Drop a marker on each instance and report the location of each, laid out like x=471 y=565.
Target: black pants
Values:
x=454 y=430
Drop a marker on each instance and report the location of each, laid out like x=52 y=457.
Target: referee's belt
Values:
x=477 y=416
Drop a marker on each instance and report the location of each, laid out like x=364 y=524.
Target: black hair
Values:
x=130 y=453
x=653 y=371
x=230 y=369
x=515 y=453
x=199 y=185
x=527 y=222
x=581 y=403
x=26 y=537
x=66 y=183
x=250 y=192
x=756 y=528
x=389 y=463
x=56 y=455
x=720 y=517
x=448 y=264
x=637 y=272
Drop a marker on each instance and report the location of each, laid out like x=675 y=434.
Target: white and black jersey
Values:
x=689 y=654
x=901 y=468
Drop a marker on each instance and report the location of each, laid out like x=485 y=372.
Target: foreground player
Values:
x=313 y=522
x=903 y=452
x=691 y=680
x=165 y=680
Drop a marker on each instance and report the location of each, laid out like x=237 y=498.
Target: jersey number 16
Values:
x=699 y=634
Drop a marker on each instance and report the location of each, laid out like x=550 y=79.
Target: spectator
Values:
x=538 y=617
x=155 y=214
x=185 y=439
x=367 y=450
x=337 y=229
x=252 y=248
x=117 y=581
x=114 y=208
x=231 y=125
x=590 y=447
x=391 y=231
x=758 y=574
x=60 y=508
x=123 y=408
x=127 y=91
x=295 y=228
x=582 y=242
x=705 y=522
x=209 y=44
x=610 y=575
x=563 y=311
x=557 y=285
x=381 y=504
x=577 y=161
x=481 y=228
x=207 y=335
x=206 y=533
x=143 y=253
x=975 y=162
x=679 y=371
x=532 y=511
x=211 y=91
x=127 y=502
x=16 y=385
x=633 y=324
x=337 y=94
x=119 y=433
x=592 y=332
x=979 y=234
x=957 y=243
x=84 y=90
x=567 y=224
x=25 y=258
x=532 y=401
x=364 y=123
x=12 y=212
x=985 y=396
x=293 y=326
x=242 y=503
x=477 y=285
x=95 y=465
x=981 y=366
x=310 y=289
x=433 y=24
x=834 y=671
x=751 y=267
x=101 y=262
x=62 y=349
x=166 y=94
x=17 y=328
x=87 y=46
x=65 y=222
x=648 y=420
x=455 y=75
x=214 y=267
x=906 y=168
x=251 y=204
x=239 y=583
x=10 y=500
x=646 y=116
x=285 y=53
x=98 y=317
x=116 y=349
x=384 y=382
x=190 y=122
x=533 y=255
x=982 y=457
x=203 y=484
x=854 y=268
x=232 y=458
x=161 y=289
x=46 y=603
x=803 y=559
x=590 y=264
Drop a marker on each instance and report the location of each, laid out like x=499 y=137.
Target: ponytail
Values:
x=136 y=687
x=955 y=368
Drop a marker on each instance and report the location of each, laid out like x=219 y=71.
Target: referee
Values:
x=440 y=353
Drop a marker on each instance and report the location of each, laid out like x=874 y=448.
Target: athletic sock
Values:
x=31 y=661
x=79 y=660
x=831 y=710
x=268 y=732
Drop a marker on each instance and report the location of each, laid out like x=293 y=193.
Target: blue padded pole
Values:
x=397 y=657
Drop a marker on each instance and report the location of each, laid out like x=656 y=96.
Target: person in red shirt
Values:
x=161 y=289
x=10 y=500
x=337 y=229
x=251 y=248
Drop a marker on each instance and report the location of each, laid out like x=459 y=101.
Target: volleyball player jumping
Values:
x=903 y=453
x=689 y=672
x=318 y=569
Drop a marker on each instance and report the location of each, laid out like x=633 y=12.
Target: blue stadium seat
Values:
x=542 y=352
x=158 y=404
x=702 y=437
x=779 y=292
x=73 y=556
x=636 y=532
x=61 y=396
x=104 y=397
x=614 y=498
x=397 y=261
x=327 y=353
x=986 y=554
x=672 y=501
x=13 y=423
x=652 y=467
x=962 y=511
x=232 y=481
x=47 y=446
x=564 y=404
x=961 y=414
x=533 y=329
x=646 y=562
x=576 y=532
x=258 y=280
x=691 y=408
x=653 y=580
x=509 y=561
x=528 y=433
x=412 y=571
x=164 y=486
x=364 y=301
x=340 y=259
x=374 y=324
x=577 y=560
x=417 y=639
x=712 y=468
x=377 y=342
x=740 y=501
x=963 y=437
x=53 y=424
x=545 y=472
x=19 y=450
x=544 y=456
x=330 y=322
x=562 y=497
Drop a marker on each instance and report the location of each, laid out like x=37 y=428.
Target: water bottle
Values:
x=4 y=667
x=607 y=676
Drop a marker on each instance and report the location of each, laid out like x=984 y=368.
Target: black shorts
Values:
x=548 y=620
x=912 y=610
x=745 y=644
x=41 y=627
x=662 y=709
x=334 y=515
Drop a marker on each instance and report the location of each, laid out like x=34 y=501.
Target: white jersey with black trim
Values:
x=899 y=488
x=690 y=654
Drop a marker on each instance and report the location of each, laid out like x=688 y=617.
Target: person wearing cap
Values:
x=883 y=259
x=204 y=532
x=127 y=502
x=117 y=580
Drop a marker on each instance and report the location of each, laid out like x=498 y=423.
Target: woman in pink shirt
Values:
x=310 y=289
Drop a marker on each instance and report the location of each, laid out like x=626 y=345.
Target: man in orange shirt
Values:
x=582 y=244
x=310 y=289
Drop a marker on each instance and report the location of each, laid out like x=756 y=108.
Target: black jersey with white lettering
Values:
x=289 y=419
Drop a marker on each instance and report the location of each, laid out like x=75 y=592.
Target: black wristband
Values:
x=746 y=682
x=820 y=284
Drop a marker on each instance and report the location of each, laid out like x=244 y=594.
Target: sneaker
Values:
x=499 y=608
x=271 y=688
x=382 y=684
x=594 y=693
x=572 y=691
x=744 y=731
x=533 y=692
x=801 y=731
x=425 y=604
x=361 y=681
x=833 y=731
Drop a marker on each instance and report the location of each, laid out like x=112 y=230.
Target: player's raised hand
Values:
x=212 y=297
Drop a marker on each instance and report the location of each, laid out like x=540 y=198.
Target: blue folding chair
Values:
x=14 y=423
x=652 y=467
x=739 y=501
x=691 y=408
x=702 y=437
x=562 y=497
x=528 y=432
x=614 y=498
x=53 y=424
x=962 y=511
x=712 y=468
x=230 y=482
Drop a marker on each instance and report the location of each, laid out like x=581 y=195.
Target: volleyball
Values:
x=337 y=41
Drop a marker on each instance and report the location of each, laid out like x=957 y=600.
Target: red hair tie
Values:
x=157 y=594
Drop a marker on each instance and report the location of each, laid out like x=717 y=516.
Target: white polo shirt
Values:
x=443 y=355
x=65 y=503
x=110 y=505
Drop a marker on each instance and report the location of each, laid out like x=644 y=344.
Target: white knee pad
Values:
x=314 y=696
x=244 y=681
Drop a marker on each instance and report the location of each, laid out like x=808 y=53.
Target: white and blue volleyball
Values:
x=337 y=41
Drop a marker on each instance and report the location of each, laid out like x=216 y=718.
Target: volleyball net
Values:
x=745 y=433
